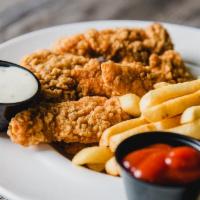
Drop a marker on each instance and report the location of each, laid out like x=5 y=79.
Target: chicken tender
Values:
x=169 y=67
x=80 y=121
x=69 y=77
x=120 y=44
x=114 y=79
x=54 y=70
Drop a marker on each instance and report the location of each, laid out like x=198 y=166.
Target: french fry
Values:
x=171 y=107
x=190 y=114
x=157 y=96
x=130 y=104
x=96 y=167
x=92 y=155
x=117 y=139
x=164 y=124
x=160 y=84
x=112 y=167
x=168 y=123
x=190 y=129
x=120 y=127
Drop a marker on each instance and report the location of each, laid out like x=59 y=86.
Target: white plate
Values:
x=41 y=173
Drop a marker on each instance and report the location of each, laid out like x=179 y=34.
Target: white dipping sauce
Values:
x=16 y=84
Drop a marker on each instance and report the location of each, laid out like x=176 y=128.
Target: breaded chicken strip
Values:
x=169 y=67
x=114 y=79
x=80 y=121
x=68 y=77
x=54 y=72
x=120 y=44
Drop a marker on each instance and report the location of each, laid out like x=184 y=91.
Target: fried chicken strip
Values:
x=80 y=121
x=114 y=79
x=54 y=70
x=120 y=44
x=69 y=77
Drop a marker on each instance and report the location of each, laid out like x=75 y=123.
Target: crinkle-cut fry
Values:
x=112 y=167
x=191 y=129
x=130 y=104
x=190 y=114
x=160 y=85
x=157 y=126
x=92 y=155
x=157 y=96
x=120 y=127
x=171 y=107
x=96 y=167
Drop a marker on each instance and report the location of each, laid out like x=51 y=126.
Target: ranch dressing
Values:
x=16 y=84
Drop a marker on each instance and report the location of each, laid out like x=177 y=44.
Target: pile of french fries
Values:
x=168 y=107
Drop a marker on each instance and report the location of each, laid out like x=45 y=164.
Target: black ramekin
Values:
x=9 y=110
x=140 y=190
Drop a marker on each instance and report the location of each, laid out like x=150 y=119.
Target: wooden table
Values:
x=22 y=16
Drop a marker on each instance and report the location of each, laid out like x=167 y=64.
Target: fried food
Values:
x=189 y=129
x=130 y=104
x=169 y=67
x=112 y=167
x=127 y=78
x=53 y=71
x=122 y=78
x=160 y=84
x=89 y=80
x=171 y=107
x=156 y=126
x=69 y=77
x=96 y=167
x=190 y=114
x=160 y=95
x=112 y=79
x=92 y=155
x=120 y=44
x=120 y=127
x=80 y=77
x=80 y=121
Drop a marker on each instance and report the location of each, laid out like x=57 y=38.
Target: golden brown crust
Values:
x=73 y=121
x=68 y=77
x=53 y=70
x=121 y=44
x=169 y=67
x=127 y=78
x=113 y=79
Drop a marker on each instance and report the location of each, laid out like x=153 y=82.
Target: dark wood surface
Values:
x=22 y=16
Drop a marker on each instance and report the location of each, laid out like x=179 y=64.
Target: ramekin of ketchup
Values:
x=160 y=166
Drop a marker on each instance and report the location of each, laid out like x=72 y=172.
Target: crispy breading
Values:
x=114 y=79
x=89 y=79
x=53 y=70
x=127 y=78
x=68 y=77
x=169 y=67
x=72 y=121
x=120 y=44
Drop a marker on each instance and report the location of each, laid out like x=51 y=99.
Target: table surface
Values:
x=21 y=16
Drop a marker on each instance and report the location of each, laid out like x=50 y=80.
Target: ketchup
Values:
x=164 y=164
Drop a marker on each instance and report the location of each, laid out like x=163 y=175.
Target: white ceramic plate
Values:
x=40 y=173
